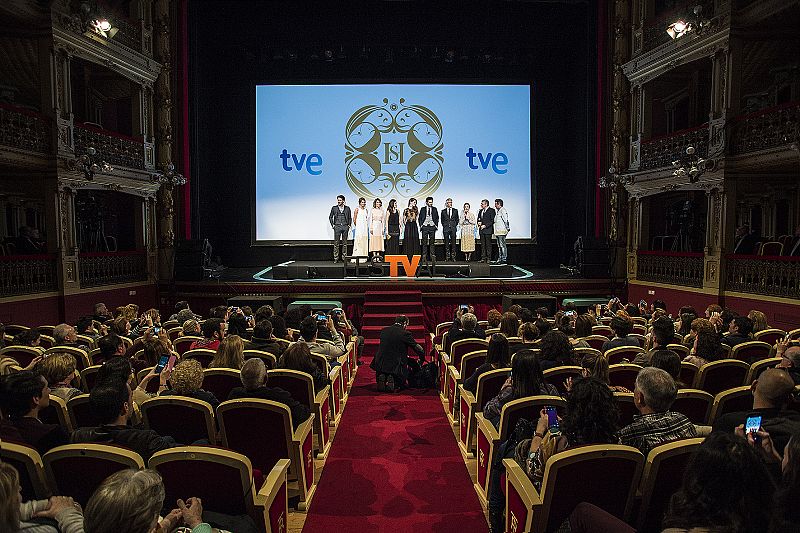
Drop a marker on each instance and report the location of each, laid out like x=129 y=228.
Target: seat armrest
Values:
x=454 y=374
x=444 y=357
x=303 y=429
x=335 y=371
x=321 y=395
x=487 y=427
x=272 y=482
x=466 y=395
x=516 y=476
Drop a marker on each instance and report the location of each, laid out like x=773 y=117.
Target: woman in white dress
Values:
x=361 y=231
x=377 y=227
x=467 y=225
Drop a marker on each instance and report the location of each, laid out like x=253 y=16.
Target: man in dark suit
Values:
x=745 y=243
x=449 y=225
x=341 y=219
x=792 y=247
x=428 y=224
x=391 y=362
x=486 y=228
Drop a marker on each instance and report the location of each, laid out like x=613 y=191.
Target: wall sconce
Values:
x=169 y=176
x=90 y=164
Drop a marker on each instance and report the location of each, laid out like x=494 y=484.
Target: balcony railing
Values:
x=767 y=128
x=675 y=268
x=115 y=148
x=27 y=274
x=23 y=129
x=770 y=276
x=654 y=31
x=109 y=268
x=661 y=151
x=129 y=34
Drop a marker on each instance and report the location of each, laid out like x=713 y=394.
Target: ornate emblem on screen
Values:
x=393 y=148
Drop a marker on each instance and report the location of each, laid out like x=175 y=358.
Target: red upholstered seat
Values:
x=627 y=409
x=301 y=386
x=624 y=375
x=721 y=375
x=221 y=381
x=695 y=404
x=181 y=344
x=29 y=465
x=203 y=355
x=80 y=415
x=186 y=420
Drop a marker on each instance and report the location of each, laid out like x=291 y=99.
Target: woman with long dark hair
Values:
x=411 y=244
x=497 y=356
x=509 y=324
x=298 y=357
x=706 y=349
x=392 y=228
x=556 y=350
x=526 y=379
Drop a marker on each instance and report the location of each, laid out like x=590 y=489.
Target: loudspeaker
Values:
x=190 y=258
x=188 y=272
x=257 y=301
x=531 y=301
x=479 y=270
x=592 y=257
x=297 y=271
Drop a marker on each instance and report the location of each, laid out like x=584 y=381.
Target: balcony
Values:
x=654 y=31
x=115 y=148
x=24 y=129
x=27 y=274
x=674 y=268
x=109 y=268
x=661 y=151
x=770 y=276
x=768 y=128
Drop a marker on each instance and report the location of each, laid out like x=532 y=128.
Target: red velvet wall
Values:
x=34 y=312
x=674 y=298
x=779 y=315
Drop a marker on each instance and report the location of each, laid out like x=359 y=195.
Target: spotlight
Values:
x=104 y=28
x=103 y=25
x=678 y=29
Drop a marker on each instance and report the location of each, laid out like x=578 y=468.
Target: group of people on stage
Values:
x=377 y=231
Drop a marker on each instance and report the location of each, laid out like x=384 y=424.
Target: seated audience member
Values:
x=699 y=325
x=122 y=327
x=187 y=380
x=543 y=325
x=515 y=308
x=711 y=309
x=237 y=325
x=191 y=328
x=567 y=327
x=153 y=348
x=254 y=385
x=529 y=334
x=526 y=379
x=706 y=349
x=264 y=340
x=120 y=369
x=9 y=365
x=101 y=313
x=509 y=324
x=596 y=366
x=722 y=322
x=294 y=316
x=583 y=325
x=213 y=333
x=670 y=362
x=653 y=395
x=58 y=368
x=22 y=395
x=497 y=356
x=85 y=326
x=526 y=315
x=790 y=360
x=739 y=331
x=770 y=393
x=663 y=334
x=556 y=350
x=726 y=487
x=632 y=310
x=230 y=353
x=279 y=329
x=18 y=516
x=110 y=346
x=465 y=326
x=111 y=402
x=264 y=312
x=759 y=320
x=179 y=306
x=541 y=312
x=622 y=327
x=29 y=337
x=220 y=311
x=298 y=357
x=66 y=335
x=331 y=350
x=493 y=318
x=684 y=324
x=185 y=315
x=392 y=364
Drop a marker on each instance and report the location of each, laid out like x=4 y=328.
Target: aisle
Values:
x=394 y=466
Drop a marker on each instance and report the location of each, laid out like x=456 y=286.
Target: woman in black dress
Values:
x=411 y=244
x=393 y=229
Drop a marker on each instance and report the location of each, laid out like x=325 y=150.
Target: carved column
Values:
x=713 y=249
x=163 y=111
x=63 y=203
x=620 y=129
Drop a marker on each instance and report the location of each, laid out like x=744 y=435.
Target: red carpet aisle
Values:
x=380 y=310
x=394 y=466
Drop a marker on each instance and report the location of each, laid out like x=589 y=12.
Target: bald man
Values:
x=790 y=361
x=770 y=393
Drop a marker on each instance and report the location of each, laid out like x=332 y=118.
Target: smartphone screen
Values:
x=171 y=363
x=322 y=316
x=752 y=425
x=463 y=307
x=156 y=330
x=161 y=363
x=552 y=418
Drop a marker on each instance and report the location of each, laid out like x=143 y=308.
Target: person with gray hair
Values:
x=655 y=424
x=790 y=359
x=254 y=385
x=66 y=335
x=465 y=326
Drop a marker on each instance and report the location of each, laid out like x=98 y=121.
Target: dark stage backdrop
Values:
x=234 y=44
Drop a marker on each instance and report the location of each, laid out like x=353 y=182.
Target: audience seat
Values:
x=752 y=351
x=13 y=329
x=661 y=478
x=187 y=420
x=605 y=475
x=337 y=385
x=174 y=333
x=622 y=354
x=491 y=331
x=721 y=375
x=453 y=358
x=639 y=329
x=81 y=357
x=80 y=416
x=770 y=336
x=78 y=469
x=771 y=248
x=274 y=441
x=558 y=375
x=169 y=324
x=469 y=363
x=181 y=344
x=731 y=401
x=46 y=341
x=23 y=355
x=603 y=330
x=221 y=381
x=639 y=337
x=489 y=385
x=56 y=413
x=270 y=361
x=679 y=349
x=490 y=438
x=301 y=387
x=623 y=375
x=445 y=344
x=688 y=374
x=759 y=366
x=93 y=353
x=203 y=355
x=695 y=404
x=87 y=341
x=29 y=465
x=595 y=341
x=89 y=377
x=794 y=334
x=188 y=470
x=580 y=353
x=626 y=407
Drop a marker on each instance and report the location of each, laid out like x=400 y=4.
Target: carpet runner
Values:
x=380 y=310
x=394 y=466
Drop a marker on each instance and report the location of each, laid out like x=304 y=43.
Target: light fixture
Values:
x=678 y=29
x=691 y=23
x=104 y=28
x=614 y=178
x=692 y=165
x=168 y=176
x=90 y=164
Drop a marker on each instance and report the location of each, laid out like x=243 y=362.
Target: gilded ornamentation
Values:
x=684 y=271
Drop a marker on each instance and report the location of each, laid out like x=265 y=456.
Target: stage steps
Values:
x=380 y=310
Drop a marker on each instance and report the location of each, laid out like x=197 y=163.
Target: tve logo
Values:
x=312 y=162
x=498 y=161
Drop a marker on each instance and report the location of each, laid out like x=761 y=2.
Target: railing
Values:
x=129 y=33
x=674 y=268
x=115 y=148
x=661 y=151
x=27 y=274
x=767 y=128
x=108 y=268
x=654 y=31
x=767 y=275
x=23 y=129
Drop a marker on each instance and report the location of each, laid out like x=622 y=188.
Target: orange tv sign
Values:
x=409 y=266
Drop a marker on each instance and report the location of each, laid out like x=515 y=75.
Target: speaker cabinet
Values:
x=479 y=270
